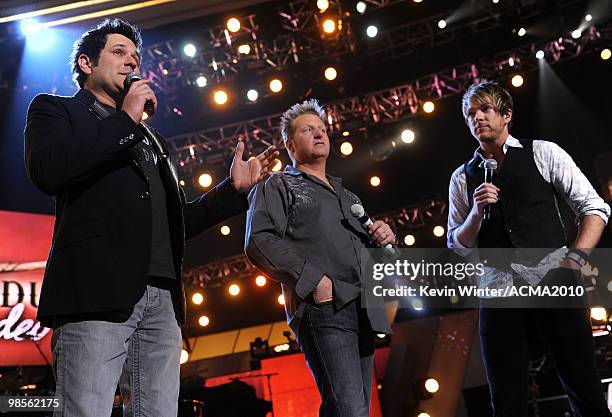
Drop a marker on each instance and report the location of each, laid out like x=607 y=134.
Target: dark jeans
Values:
x=339 y=348
x=506 y=336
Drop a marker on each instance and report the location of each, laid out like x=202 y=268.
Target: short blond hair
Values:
x=311 y=106
x=487 y=92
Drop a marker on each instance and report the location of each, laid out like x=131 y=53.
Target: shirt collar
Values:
x=291 y=170
x=85 y=96
x=89 y=98
x=511 y=142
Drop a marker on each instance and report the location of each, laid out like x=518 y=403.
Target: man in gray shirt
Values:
x=300 y=232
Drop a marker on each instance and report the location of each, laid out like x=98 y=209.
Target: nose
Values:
x=131 y=62
x=478 y=116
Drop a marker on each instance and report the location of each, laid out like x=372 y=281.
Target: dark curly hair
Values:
x=94 y=40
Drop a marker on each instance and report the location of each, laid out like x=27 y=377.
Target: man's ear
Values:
x=85 y=64
x=289 y=146
x=508 y=116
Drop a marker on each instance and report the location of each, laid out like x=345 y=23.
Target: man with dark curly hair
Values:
x=112 y=287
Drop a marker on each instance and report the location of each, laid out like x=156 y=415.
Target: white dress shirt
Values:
x=558 y=169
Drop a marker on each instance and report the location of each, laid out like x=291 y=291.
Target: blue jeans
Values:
x=506 y=336
x=142 y=354
x=339 y=348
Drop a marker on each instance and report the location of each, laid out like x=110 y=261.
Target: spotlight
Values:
x=260 y=280
x=234 y=290
x=495 y=1
x=417 y=304
x=205 y=180
x=588 y=18
x=330 y=73
x=252 y=95
x=281 y=299
x=233 y=24
x=220 y=97
x=346 y=133
x=225 y=230
x=182 y=183
x=511 y=61
x=244 y=49
x=423 y=414
x=361 y=7
x=276 y=85
x=329 y=26
x=576 y=33
x=606 y=54
x=375 y=181
x=431 y=385
x=417 y=1
x=322 y=5
x=282 y=348
x=278 y=165
x=190 y=50
x=517 y=80
x=438 y=231
x=38 y=37
x=29 y=27
x=441 y=23
x=407 y=136
x=346 y=148
x=204 y=321
x=372 y=31
x=540 y=54
x=197 y=298
x=165 y=71
x=599 y=313
x=428 y=107
x=184 y=356
x=201 y=81
x=521 y=32
x=409 y=240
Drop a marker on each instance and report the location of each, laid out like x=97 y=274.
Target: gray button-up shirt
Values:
x=299 y=229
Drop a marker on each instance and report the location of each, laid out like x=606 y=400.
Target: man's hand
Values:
x=569 y=264
x=484 y=195
x=245 y=174
x=135 y=99
x=324 y=290
x=381 y=233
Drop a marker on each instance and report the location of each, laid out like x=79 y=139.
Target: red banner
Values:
x=24 y=246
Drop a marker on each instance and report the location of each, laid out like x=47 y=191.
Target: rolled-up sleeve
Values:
x=458 y=206
x=558 y=168
x=265 y=243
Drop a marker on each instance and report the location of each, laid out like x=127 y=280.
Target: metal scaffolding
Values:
x=301 y=40
x=211 y=145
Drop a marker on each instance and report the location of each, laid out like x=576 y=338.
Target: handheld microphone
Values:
x=359 y=213
x=490 y=167
x=149 y=108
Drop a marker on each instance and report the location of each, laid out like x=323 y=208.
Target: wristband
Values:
x=578 y=256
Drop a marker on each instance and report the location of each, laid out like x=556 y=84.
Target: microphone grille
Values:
x=490 y=164
x=357 y=210
x=130 y=78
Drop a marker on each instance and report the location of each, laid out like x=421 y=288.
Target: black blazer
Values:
x=101 y=249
